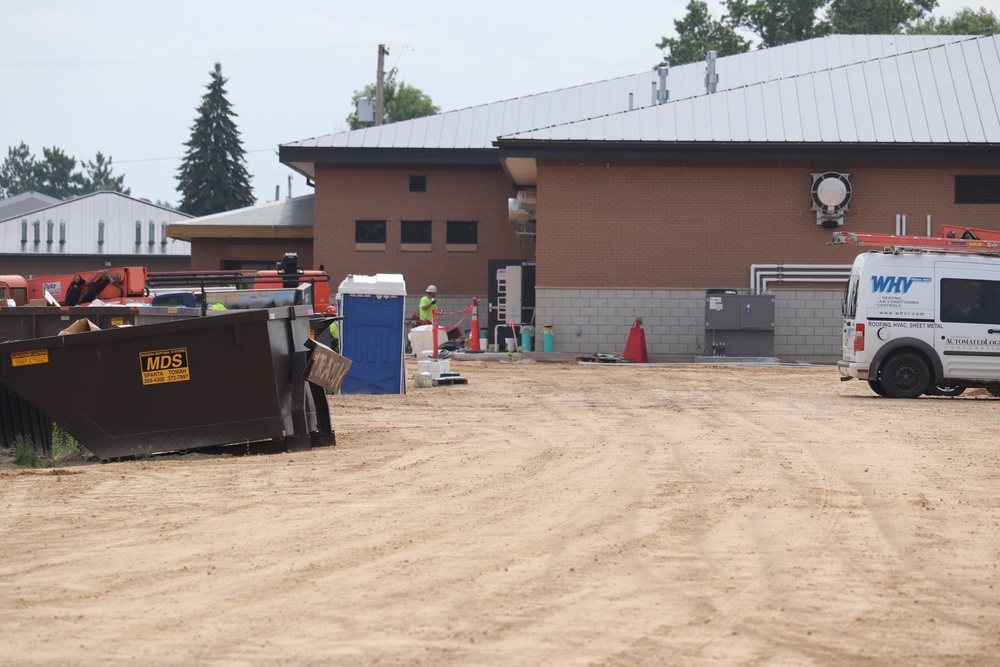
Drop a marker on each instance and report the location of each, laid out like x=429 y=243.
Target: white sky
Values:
x=126 y=78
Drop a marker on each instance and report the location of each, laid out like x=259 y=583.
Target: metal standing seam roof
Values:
x=947 y=93
x=100 y=223
x=479 y=126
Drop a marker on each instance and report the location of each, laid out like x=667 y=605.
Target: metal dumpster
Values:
x=236 y=377
x=25 y=322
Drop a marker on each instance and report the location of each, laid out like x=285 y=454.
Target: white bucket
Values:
x=511 y=344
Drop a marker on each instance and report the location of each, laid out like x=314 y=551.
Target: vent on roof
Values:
x=711 y=78
x=831 y=195
x=661 y=95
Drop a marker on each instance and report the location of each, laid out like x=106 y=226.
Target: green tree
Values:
x=777 y=22
x=98 y=176
x=399 y=102
x=697 y=34
x=17 y=173
x=876 y=17
x=966 y=21
x=213 y=177
x=57 y=176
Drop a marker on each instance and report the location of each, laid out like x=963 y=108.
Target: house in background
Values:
x=25 y=202
x=635 y=197
x=94 y=231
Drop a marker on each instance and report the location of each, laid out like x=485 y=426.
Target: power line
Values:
x=149 y=60
x=165 y=159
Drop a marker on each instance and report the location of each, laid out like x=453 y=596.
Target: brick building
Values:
x=641 y=193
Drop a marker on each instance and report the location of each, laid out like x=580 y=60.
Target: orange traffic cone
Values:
x=474 y=343
x=635 y=347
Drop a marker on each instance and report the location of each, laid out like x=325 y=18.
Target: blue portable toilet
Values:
x=372 y=333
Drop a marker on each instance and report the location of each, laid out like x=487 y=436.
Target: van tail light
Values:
x=859 y=338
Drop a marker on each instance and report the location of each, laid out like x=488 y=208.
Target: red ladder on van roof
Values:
x=970 y=242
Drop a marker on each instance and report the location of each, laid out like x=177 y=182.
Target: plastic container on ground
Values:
x=422 y=339
x=436 y=367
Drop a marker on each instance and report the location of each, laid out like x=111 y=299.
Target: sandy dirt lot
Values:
x=543 y=514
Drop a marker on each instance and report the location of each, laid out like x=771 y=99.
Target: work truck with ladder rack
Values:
x=922 y=314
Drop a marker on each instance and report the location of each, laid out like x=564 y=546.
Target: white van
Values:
x=922 y=322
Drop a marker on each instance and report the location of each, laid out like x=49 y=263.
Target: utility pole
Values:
x=380 y=82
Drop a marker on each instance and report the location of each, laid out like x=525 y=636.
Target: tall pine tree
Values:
x=213 y=177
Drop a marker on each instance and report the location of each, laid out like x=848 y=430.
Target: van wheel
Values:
x=944 y=390
x=905 y=376
x=877 y=387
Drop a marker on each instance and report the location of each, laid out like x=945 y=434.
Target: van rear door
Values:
x=968 y=340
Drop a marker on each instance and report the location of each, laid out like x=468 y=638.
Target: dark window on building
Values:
x=461 y=232
x=977 y=189
x=369 y=231
x=970 y=301
x=418 y=184
x=415 y=231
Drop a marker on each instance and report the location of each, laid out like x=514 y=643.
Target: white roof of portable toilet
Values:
x=383 y=284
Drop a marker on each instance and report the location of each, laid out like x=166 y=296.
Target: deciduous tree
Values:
x=876 y=17
x=966 y=21
x=697 y=34
x=777 y=22
x=399 y=102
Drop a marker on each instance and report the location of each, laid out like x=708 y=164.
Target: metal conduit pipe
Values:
x=799 y=276
x=814 y=280
x=781 y=268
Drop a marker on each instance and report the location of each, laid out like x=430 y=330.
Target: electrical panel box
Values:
x=740 y=325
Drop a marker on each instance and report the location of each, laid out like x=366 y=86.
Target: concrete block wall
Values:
x=588 y=321
x=809 y=325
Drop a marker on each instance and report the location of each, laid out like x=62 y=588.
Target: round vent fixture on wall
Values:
x=831 y=192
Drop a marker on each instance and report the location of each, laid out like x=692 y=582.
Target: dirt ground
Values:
x=543 y=514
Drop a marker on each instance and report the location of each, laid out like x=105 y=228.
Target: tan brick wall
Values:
x=347 y=194
x=646 y=224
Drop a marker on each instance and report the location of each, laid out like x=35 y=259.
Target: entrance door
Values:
x=503 y=302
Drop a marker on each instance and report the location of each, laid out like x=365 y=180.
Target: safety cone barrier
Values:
x=434 y=334
x=635 y=347
x=474 y=343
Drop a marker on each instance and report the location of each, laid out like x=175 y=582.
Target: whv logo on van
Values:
x=897 y=284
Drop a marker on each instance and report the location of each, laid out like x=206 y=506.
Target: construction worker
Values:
x=428 y=305
x=334 y=329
